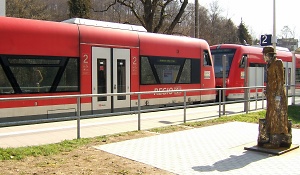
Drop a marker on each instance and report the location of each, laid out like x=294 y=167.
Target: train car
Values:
x=235 y=68
x=80 y=56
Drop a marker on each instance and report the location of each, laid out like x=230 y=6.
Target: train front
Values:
x=231 y=73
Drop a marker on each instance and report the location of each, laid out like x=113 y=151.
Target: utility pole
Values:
x=274 y=27
x=196 y=19
x=2 y=8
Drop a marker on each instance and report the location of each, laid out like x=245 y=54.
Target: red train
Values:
x=235 y=67
x=43 y=58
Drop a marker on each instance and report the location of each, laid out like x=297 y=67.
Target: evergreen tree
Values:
x=79 y=8
x=243 y=34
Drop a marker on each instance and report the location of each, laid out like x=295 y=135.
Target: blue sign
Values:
x=266 y=40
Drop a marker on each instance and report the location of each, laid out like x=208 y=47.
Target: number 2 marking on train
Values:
x=134 y=60
x=85 y=58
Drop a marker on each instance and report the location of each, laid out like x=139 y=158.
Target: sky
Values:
x=257 y=15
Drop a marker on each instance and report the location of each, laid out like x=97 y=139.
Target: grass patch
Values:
x=294 y=114
x=45 y=150
x=69 y=145
x=250 y=118
x=168 y=129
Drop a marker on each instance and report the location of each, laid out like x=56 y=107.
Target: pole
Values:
x=196 y=19
x=224 y=82
x=293 y=78
x=139 y=112
x=184 y=107
x=2 y=8
x=246 y=84
x=78 y=117
x=274 y=27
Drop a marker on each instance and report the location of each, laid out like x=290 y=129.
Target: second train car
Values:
x=239 y=56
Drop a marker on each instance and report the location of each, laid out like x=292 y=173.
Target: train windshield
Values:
x=217 y=55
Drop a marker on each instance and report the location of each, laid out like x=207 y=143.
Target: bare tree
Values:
x=160 y=16
x=287 y=32
x=214 y=13
x=215 y=28
x=152 y=14
x=58 y=9
x=31 y=9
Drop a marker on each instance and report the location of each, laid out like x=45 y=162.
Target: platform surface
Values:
x=217 y=149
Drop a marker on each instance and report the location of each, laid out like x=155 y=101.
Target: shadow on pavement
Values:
x=233 y=162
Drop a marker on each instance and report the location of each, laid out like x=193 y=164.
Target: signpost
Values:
x=266 y=40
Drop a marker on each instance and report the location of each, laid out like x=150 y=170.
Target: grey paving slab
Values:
x=217 y=149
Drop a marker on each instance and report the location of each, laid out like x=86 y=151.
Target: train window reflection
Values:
x=218 y=66
x=162 y=70
x=26 y=74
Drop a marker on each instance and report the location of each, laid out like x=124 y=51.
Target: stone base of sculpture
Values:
x=275 y=144
x=273 y=141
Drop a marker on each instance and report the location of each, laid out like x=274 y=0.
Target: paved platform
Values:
x=217 y=149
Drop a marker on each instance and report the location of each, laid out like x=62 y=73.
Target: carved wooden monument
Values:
x=275 y=129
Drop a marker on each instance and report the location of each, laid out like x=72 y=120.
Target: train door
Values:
x=287 y=72
x=110 y=67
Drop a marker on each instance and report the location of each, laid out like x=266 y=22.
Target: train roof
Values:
x=37 y=37
x=171 y=45
x=278 y=48
x=96 y=23
x=281 y=52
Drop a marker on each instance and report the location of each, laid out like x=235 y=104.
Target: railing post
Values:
x=247 y=100
x=184 y=107
x=256 y=95
x=219 y=91
x=263 y=98
x=139 y=112
x=223 y=97
x=293 y=91
x=78 y=117
x=287 y=93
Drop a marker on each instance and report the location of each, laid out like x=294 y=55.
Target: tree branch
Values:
x=177 y=18
x=108 y=7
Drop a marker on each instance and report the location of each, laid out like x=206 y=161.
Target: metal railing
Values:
x=221 y=103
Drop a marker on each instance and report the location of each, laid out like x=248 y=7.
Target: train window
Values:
x=5 y=87
x=186 y=72
x=147 y=76
x=207 y=60
x=102 y=83
x=121 y=78
x=162 y=70
x=218 y=65
x=242 y=62
x=40 y=74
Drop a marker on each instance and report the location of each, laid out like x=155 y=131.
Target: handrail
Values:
x=139 y=111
